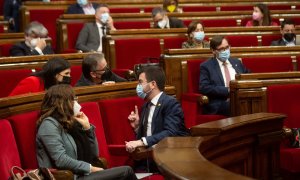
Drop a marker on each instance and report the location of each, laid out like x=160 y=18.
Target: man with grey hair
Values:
x=35 y=41
x=161 y=19
x=95 y=71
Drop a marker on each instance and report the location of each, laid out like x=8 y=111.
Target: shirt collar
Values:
x=156 y=98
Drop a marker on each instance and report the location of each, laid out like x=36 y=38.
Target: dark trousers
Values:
x=122 y=173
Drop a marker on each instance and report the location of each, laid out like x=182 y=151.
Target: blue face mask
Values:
x=140 y=91
x=199 y=36
x=82 y=2
x=104 y=18
x=224 y=55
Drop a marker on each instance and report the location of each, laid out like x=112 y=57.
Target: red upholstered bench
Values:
x=268 y=64
x=285 y=99
x=242 y=40
x=174 y=43
x=76 y=72
x=190 y=104
x=73 y=30
x=132 y=25
x=15 y=76
x=4 y=49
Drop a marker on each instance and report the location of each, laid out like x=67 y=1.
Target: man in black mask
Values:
x=287 y=30
x=95 y=71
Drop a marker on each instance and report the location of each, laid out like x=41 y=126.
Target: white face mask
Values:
x=33 y=42
x=82 y=2
x=162 y=24
x=76 y=108
x=104 y=18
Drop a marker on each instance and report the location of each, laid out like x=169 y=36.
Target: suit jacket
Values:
x=56 y=148
x=21 y=49
x=77 y=9
x=212 y=84
x=167 y=120
x=11 y=10
x=279 y=42
x=30 y=84
x=88 y=38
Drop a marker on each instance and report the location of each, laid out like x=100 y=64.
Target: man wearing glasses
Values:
x=215 y=75
x=95 y=71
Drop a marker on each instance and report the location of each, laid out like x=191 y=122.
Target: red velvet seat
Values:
x=242 y=41
x=268 y=64
x=237 y=8
x=15 y=76
x=8 y=149
x=76 y=72
x=24 y=126
x=132 y=25
x=296 y=19
x=73 y=30
x=117 y=129
x=48 y=18
x=285 y=99
x=4 y=49
x=135 y=51
x=174 y=43
x=124 y=10
x=198 y=8
x=266 y=40
x=189 y=101
x=219 y=23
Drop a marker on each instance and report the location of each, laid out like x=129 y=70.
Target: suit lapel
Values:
x=218 y=70
x=97 y=34
x=156 y=110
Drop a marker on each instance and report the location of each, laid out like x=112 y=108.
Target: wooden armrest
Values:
x=62 y=174
x=142 y=153
x=201 y=99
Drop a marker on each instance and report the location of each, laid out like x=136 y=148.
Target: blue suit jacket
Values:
x=167 y=120
x=212 y=85
x=77 y=9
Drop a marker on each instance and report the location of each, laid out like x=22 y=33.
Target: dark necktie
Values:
x=227 y=74
x=145 y=119
x=103 y=30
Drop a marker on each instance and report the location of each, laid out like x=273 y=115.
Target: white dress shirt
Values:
x=100 y=35
x=88 y=9
x=232 y=71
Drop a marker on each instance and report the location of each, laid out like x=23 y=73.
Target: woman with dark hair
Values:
x=55 y=71
x=171 y=6
x=261 y=16
x=195 y=35
x=57 y=148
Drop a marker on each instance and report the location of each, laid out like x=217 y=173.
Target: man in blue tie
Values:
x=215 y=75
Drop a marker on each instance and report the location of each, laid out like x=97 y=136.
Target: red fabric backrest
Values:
x=135 y=51
x=76 y=72
x=15 y=76
x=120 y=72
x=285 y=99
x=298 y=62
x=132 y=25
x=24 y=126
x=279 y=7
x=268 y=64
x=244 y=21
x=237 y=8
x=219 y=23
x=1 y=28
x=8 y=149
x=174 y=43
x=198 y=8
x=124 y=10
x=296 y=19
x=91 y=109
x=115 y=113
x=4 y=49
x=73 y=30
x=48 y=18
x=242 y=41
x=193 y=76
x=266 y=40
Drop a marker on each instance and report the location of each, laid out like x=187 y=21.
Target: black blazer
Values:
x=279 y=42
x=77 y=9
x=21 y=49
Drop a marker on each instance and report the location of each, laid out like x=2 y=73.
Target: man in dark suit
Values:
x=288 y=30
x=35 y=42
x=90 y=36
x=82 y=7
x=161 y=20
x=215 y=75
x=95 y=71
x=161 y=115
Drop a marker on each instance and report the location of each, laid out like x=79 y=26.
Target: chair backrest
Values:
x=285 y=99
x=198 y=8
x=73 y=30
x=15 y=76
x=4 y=49
x=242 y=40
x=91 y=109
x=8 y=149
x=193 y=76
x=76 y=72
x=132 y=25
x=174 y=43
x=266 y=40
x=24 y=126
x=124 y=10
x=219 y=23
x=237 y=8
x=135 y=51
x=115 y=113
x=268 y=64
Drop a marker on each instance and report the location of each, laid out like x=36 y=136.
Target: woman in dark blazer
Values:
x=57 y=148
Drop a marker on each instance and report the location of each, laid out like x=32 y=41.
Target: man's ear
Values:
x=93 y=74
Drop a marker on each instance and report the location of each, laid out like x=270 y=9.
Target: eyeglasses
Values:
x=101 y=72
x=223 y=49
